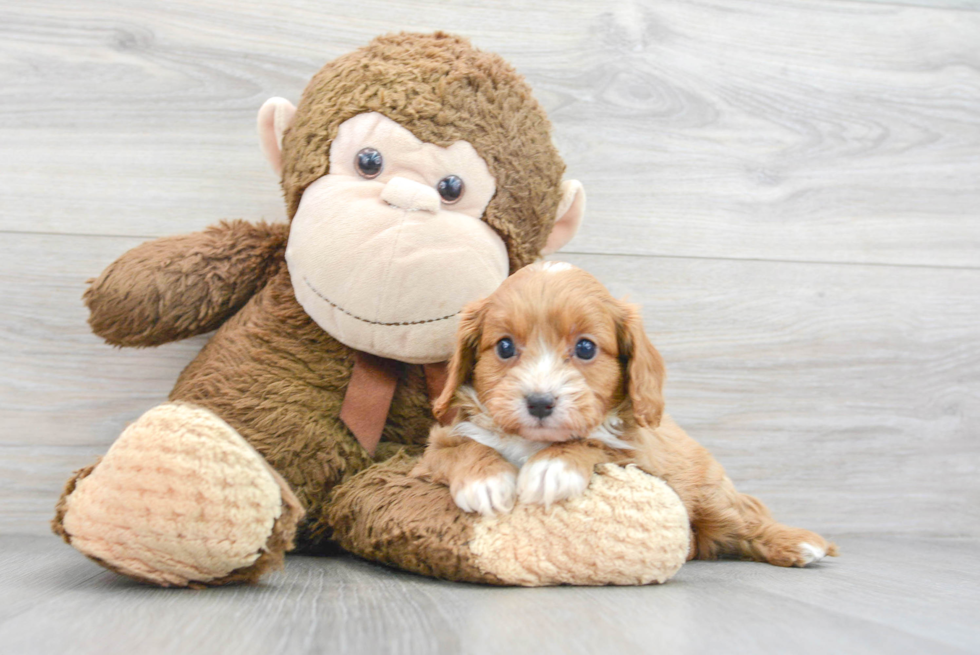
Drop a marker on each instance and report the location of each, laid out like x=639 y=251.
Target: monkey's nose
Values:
x=410 y=195
x=540 y=405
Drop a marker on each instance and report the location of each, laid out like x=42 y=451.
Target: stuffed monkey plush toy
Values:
x=418 y=172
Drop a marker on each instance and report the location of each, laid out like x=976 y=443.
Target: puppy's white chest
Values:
x=514 y=449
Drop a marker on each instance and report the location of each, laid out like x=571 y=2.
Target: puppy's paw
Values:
x=487 y=496
x=547 y=481
x=810 y=553
x=796 y=547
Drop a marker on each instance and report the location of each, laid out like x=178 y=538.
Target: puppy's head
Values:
x=551 y=353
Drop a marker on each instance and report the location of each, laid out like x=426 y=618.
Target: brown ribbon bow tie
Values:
x=370 y=390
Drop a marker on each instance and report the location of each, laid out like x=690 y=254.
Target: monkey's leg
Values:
x=180 y=499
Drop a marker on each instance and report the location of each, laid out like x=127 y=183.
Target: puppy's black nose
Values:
x=540 y=405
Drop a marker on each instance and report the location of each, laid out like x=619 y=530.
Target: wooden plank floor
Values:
x=886 y=595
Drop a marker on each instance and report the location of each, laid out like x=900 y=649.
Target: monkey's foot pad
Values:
x=180 y=499
x=628 y=528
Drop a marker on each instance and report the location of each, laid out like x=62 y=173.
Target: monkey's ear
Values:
x=571 y=209
x=275 y=116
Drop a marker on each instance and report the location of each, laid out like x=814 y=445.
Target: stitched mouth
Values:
x=368 y=321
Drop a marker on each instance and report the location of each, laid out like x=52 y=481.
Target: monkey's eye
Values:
x=585 y=349
x=450 y=188
x=369 y=162
x=506 y=348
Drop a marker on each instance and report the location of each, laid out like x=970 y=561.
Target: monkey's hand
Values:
x=177 y=287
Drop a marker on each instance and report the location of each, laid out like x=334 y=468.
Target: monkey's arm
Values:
x=176 y=287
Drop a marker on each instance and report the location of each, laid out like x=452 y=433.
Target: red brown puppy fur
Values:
x=537 y=409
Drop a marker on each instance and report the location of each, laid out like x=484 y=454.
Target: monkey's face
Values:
x=386 y=249
x=417 y=172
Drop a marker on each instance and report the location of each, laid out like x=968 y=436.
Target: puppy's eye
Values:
x=506 y=348
x=450 y=188
x=369 y=163
x=585 y=349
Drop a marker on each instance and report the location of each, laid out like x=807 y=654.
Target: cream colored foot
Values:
x=180 y=499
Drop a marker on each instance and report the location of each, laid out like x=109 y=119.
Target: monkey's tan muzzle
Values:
x=389 y=276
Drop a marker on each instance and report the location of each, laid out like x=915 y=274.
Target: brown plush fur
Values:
x=279 y=379
x=269 y=370
x=544 y=312
x=180 y=286
x=388 y=516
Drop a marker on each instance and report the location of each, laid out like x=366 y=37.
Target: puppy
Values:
x=551 y=376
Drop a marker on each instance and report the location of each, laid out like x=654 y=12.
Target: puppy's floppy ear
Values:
x=644 y=367
x=468 y=336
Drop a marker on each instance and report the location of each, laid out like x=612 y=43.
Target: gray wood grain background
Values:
x=791 y=190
